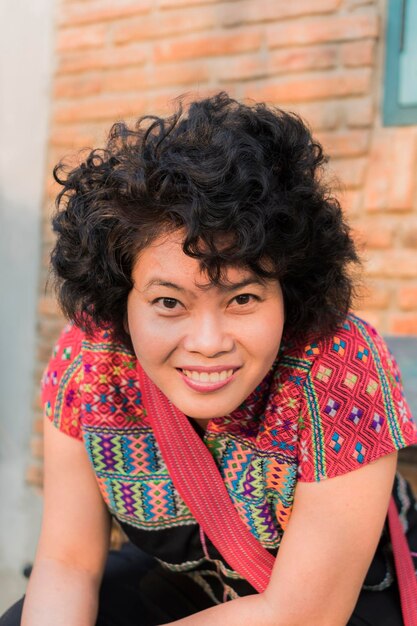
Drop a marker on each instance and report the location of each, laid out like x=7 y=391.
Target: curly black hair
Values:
x=245 y=185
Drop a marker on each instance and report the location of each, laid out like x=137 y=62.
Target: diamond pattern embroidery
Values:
x=355 y=415
x=336 y=441
x=350 y=380
x=363 y=354
x=332 y=407
x=324 y=374
x=377 y=422
x=66 y=353
x=339 y=345
x=359 y=452
x=312 y=349
x=371 y=387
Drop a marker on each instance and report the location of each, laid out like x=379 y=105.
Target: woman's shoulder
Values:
x=74 y=342
x=353 y=407
x=89 y=374
x=354 y=340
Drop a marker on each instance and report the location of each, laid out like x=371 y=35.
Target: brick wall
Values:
x=320 y=58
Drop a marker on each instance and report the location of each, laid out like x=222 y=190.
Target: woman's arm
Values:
x=326 y=551
x=63 y=587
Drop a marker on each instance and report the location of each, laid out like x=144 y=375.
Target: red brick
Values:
x=407 y=298
x=76 y=87
x=83 y=37
x=242 y=67
x=48 y=306
x=359 y=113
x=248 y=66
x=216 y=45
x=169 y=4
x=164 y=103
x=43 y=354
x=49 y=328
x=409 y=238
x=393 y=264
x=69 y=137
x=38 y=426
x=358 y=53
x=378 y=237
x=34 y=475
x=345 y=143
x=36 y=447
x=94 y=12
x=36 y=402
x=235 y=13
x=350 y=172
x=50 y=186
x=350 y=201
x=405 y=324
x=390 y=182
x=379 y=296
x=293 y=90
x=102 y=59
x=323 y=115
x=111 y=109
x=165 y=75
x=301 y=59
x=165 y=24
x=403 y=160
x=322 y=29
x=374 y=318
x=356 y=4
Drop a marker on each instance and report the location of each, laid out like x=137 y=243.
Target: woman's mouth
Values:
x=204 y=381
x=208 y=377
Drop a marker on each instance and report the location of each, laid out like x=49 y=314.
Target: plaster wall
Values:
x=25 y=70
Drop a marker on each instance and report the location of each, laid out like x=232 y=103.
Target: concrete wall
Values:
x=25 y=70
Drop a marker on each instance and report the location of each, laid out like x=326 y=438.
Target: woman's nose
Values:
x=209 y=336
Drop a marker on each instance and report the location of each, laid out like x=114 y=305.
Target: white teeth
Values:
x=206 y=377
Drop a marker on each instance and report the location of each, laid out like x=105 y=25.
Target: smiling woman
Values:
x=206 y=346
x=213 y=392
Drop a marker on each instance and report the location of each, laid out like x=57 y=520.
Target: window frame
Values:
x=394 y=113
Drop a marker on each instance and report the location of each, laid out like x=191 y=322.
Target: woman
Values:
x=206 y=271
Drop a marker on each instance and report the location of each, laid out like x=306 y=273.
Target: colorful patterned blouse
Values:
x=324 y=409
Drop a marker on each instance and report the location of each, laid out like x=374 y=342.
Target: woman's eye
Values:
x=245 y=298
x=166 y=303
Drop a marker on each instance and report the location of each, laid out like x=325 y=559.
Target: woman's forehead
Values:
x=164 y=261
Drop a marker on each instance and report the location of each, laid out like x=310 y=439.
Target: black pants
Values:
x=137 y=592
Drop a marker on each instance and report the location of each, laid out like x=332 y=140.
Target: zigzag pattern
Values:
x=353 y=407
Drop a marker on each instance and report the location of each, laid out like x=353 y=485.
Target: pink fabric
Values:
x=199 y=483
x=407 y=581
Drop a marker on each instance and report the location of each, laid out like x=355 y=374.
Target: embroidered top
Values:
x=324 y=409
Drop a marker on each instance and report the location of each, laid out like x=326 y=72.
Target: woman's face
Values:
x=205 y=346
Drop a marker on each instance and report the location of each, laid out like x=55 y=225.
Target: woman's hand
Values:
x=64 y=584
x=324 y=556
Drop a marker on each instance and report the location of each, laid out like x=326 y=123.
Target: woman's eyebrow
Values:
x=158 y=282
x=227 y=287
x=242 y=283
